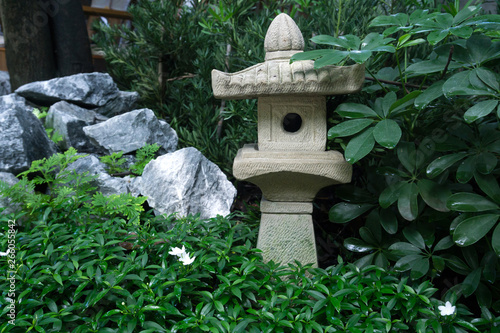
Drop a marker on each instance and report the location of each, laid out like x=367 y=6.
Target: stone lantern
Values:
x=289 y=163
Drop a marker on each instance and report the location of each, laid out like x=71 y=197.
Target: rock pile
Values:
x=88 y=112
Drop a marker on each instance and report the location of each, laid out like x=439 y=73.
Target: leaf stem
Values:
x=448 y=62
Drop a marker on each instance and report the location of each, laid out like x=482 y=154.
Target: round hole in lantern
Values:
x=292 y=122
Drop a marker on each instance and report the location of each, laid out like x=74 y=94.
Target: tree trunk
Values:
x=44 y=39
x=70 y=39
x=28 y=45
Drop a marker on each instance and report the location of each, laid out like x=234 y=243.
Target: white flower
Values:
x=3 y=254
x=184 y=258
x=178 y=252
x=447 y=309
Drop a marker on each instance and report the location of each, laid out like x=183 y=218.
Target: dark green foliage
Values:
x=90 y=263
x=433 y=200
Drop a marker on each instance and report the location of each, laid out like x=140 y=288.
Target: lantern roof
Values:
x=277 y=76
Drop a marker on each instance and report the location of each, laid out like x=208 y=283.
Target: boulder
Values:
x=105 y=184
x=87 y=89
x=22 y=140
x=131 y=131
x=12 y=100
x=4 y=83
x=10 y=180
x=68 y=120
x=124 y=102
x=190 y=184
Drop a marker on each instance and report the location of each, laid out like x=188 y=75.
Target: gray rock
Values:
x=68 y=120
x=88 y=89
x=124 y=102
x=10 y=101
x=105 y=184
x=10 y=180
x=131 y=131
x=4 y=83
x=186 y=182
x=22 y=140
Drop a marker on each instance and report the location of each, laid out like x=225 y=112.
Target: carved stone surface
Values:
x=310 y=113
x=276 y=76
x=88 y=89
x=131 y=131
x=68 y=120
x=190 y=184
x=291 y=175
x=22 y=140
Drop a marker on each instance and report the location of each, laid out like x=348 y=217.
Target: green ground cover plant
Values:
x=89 y=263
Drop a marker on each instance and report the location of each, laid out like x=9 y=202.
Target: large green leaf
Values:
x=474 y=228
x=357 y=245
x=349 y=42
x=414 y=237
x=407 y=201
x=469 y=202
x=310 y=55
x=486 y=162
x=344 y=212
x=480 y=110
x=440 y=164
x=349 y=127
x=406 y=263
x=404 y=248
x=459 y=84
x=471 y=282
x=331 y=58
x=431 y=66
x=433 y=92
x=488 y=77
x=407 y=155
x=399 y=19
x=434 y=194
x=390 y=195
x=360 y=146
x=387 y=133
x=355 y=110
x=466 y=169
x=389 y=221
x=489 y=185
x=495 y=240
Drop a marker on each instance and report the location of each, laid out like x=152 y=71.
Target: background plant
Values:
x=432 y=202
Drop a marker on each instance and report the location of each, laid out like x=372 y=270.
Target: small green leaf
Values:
x=387 y=133
x=355 y=110
x=480 y=110
x=488 y=77
x=344 y=212
x=469 y=202
x=407 y=202
x=474 y=228
x=436 y=167
x=58 y=278
x=360 y=146
x=349 y=127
